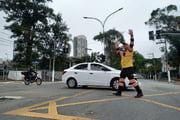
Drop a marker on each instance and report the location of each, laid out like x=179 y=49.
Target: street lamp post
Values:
x=54 y=57
x=152 y=57
x=103 y=23
x=86 y=49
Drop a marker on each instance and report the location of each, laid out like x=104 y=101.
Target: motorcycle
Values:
x=34 y=78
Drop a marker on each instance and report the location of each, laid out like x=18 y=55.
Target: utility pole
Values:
x=53 y=67
x=167 y=65
x=159 y=35
x=154 y=67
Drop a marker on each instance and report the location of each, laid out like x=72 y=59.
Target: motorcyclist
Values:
x=31 y=73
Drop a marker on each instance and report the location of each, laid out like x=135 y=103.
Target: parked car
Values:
x=92 y=74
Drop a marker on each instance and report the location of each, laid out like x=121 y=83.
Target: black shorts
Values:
x=127 y=72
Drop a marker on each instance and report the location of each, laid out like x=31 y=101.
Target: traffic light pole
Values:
x=53 y=66
x=158 y=36
x=167 y=65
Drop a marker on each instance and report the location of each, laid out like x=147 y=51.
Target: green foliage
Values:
x=174 y=54
x=24 y=17
x=165 y=20
x=110 y=37
x=37 y=30
x=139 y=62
x=161 y=18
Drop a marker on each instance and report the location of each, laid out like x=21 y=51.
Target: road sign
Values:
x=35 y=62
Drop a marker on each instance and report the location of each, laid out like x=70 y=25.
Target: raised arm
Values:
x=131 y=45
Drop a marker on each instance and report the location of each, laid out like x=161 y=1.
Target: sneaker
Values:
x=138 y=95
x=117 y=94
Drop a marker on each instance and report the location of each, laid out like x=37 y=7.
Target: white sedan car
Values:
x=92 y=74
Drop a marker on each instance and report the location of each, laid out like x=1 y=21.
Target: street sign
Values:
x=35 y=62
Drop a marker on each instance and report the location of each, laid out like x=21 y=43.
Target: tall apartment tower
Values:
x=80 y=46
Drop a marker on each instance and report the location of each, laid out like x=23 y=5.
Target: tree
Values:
x=165 y=20
x=110 y=37
x=24 y=18
x=139 y=62
x=53 y=39
x=161 y=18
x=40 y=33
x=174 y=54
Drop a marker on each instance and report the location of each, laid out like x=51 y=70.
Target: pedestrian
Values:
x=126 y=55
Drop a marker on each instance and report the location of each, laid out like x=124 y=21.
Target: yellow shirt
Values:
x=127 y=59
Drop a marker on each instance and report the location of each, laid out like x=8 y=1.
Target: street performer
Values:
x=126 y=55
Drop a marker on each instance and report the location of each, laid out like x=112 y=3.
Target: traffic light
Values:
x=103 y=58
x=65 y=50
x=151 y=35
x=158 y=34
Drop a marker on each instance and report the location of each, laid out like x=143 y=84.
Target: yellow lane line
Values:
x=52 y=110
x=167 y=93
x=84 y=102
x=93 y=101
x=158 y=103
x=33 y=107
x=159 y=94
x=159 y=86
x=152 y=90
x=51 y=106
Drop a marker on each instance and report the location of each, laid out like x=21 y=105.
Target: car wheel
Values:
x=38 y=81
x=26 y=81
x=71 y=83
x=115 y=84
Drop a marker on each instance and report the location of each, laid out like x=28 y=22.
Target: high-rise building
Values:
x=80 y=46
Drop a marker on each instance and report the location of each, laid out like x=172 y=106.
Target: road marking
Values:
x=152 y=90
x=162 y=104
x=94 y=101
x=160 y=86
x=11 y=97
x=166 y=93
x=51 y=106
x=158 y=103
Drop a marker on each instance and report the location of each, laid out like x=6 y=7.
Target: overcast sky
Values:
x=132 y=16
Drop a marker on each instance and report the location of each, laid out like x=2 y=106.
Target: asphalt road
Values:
x=54 y=101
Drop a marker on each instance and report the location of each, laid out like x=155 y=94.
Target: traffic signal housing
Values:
x=103 y=58
x=65 y=50
x=158 y=34
x=151 y=35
